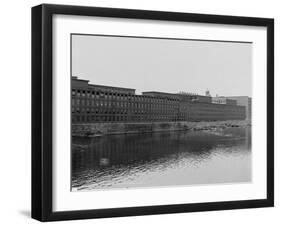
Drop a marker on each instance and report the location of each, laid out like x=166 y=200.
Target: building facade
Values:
x=95 y=103
x=246 y=102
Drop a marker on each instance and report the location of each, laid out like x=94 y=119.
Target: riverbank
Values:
x=101 y=129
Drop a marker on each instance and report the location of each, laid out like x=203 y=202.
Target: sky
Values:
x=145 y=64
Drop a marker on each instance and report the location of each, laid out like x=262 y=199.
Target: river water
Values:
x=162 y=159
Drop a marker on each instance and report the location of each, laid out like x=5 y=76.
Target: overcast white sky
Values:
x=164 y=65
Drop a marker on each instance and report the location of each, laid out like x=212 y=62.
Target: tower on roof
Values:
x=207 y=93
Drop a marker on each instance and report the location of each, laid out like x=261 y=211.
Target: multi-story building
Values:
x=244 y=101
x=96 y=103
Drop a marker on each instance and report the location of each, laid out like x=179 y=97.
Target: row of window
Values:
x=119 y=96
x=220 y=114
x=229 y=110
x=125 y=118
x=77 y=115
x=78 y=102
x=100 y=111
x=116 y=118
x=212 y=111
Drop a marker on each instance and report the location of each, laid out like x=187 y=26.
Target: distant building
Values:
x=244 y=101
x=223 y=100
x=97 y=103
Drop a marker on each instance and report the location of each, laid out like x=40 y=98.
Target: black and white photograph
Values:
x=158 y=112
x=140 y=112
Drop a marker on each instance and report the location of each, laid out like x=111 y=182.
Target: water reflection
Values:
x=162 y=159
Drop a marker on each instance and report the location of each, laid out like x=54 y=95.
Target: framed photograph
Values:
x=145 y=112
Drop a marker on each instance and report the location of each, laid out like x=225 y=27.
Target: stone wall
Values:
x=99 y=129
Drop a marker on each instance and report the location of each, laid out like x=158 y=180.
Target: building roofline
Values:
x=114 y=87
x=158 y=92
x=76 y=78
x=90 y=84
x=237 y=96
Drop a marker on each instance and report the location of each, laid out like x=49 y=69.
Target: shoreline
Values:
x=104 y=129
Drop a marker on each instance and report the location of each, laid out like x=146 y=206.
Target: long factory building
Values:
x=97 y=103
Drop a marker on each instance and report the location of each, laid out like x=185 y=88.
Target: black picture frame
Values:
x=42 y=111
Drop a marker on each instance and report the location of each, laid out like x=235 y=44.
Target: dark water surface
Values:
x=162 y=159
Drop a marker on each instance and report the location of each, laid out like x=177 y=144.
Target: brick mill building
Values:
x=96 y=103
